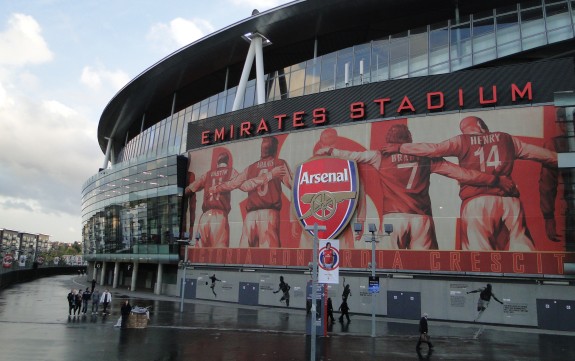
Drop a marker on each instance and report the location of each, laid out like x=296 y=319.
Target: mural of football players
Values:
x=549 y=180
x=405 y=181
x=262 y=180
x=213 y=224
x=486 y=212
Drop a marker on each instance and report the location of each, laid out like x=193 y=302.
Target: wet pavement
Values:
x=34 y=325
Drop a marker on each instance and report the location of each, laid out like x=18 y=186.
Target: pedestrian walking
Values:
x=330 y=310
x=105 y=300
x=93 y=284
x=95 y=301
x=71 y=303
x=344 y=309
x=423 y=333
x=78 y=302
x=86 y=297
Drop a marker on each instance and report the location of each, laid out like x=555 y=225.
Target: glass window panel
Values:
x=154 y=138
x=161 y=135
x=398 y=57
x=461 y=63
x=507 y=34
x=344 y=61
x=249 y=95
x=181 y=132
x=418 y=53
x=221 y=108
x=380 y=60
x=558 y=22
x=439 y=46
x=312 y=73
x=145 y=141
x=296 y=67
x=195 y=114
x=484 y=55
x=327 y=81
x=283 y=81
x=230 y=99
x=484 y=40
x=361 y=64
x=533 y=28
x=296 y=83
x=460 y=37
x=203 y=112
x=173 y=128
x=212 y=108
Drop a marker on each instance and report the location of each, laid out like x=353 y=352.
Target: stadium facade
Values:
x=442 y=130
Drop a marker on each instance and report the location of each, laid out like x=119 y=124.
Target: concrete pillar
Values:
x=134 y=276
x=94 y=271
x=116 y=273
x=159 y=279
x=103 y=274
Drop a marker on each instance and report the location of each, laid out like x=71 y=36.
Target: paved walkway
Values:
x=34 y=325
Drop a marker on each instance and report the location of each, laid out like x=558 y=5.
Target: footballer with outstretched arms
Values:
x=213 y=224
x=549 y=178
x=486 y=210
x=405 y=182
x=262 y=181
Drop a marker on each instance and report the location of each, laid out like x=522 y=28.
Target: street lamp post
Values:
x=315 y=228
x=185 y=266
x=388 y=228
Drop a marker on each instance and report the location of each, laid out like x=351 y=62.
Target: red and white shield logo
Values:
x=7 y=261
x=325 y=192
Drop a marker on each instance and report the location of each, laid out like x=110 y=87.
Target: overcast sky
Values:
x=61 y=61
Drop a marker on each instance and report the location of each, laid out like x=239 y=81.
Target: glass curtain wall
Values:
x=132 y=209
x=435 y=49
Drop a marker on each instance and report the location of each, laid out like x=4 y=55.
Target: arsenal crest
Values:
x=325 y=192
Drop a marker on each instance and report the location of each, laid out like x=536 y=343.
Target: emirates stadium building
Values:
x=423 y=146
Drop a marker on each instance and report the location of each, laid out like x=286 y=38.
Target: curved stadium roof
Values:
x=198 y=70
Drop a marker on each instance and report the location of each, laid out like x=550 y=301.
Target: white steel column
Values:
x=241 y=91
x=107 y=156
x=260 y=83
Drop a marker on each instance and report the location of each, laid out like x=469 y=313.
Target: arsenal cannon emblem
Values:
x=325 y=192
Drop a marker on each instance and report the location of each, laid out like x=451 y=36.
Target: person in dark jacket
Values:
x=71 y=303
x=423 y=333
x=125 y=311
x=344 y=308
x=330 y=310
x=78 y=302
x=86 y=296
x=95 y=301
